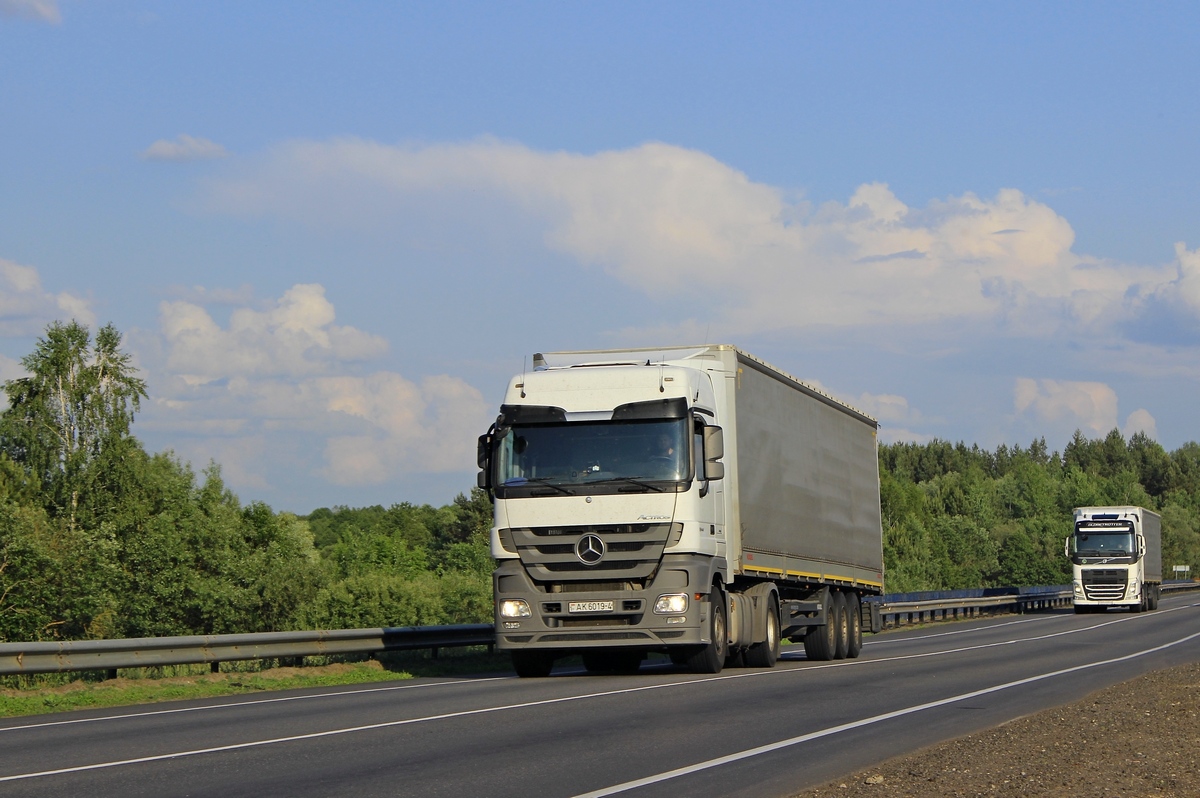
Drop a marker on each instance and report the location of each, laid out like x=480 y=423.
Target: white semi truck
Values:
x=693 y=501
x=1116 y=558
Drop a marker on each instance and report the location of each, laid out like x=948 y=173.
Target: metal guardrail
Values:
x=143 y=652
x=898 y=609
x=80 y=655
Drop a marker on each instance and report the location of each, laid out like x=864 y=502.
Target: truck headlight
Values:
x=671 y=604
x=1078 y=588
x=514 y=608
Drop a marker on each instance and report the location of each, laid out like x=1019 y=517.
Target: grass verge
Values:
x=48 y=693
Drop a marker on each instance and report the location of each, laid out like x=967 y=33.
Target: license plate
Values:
x=589 y=606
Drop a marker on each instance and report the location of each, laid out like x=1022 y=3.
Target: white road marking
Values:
x=233 y=704
x=644 y=688
x=763 y=749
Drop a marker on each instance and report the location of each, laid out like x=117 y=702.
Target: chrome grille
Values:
x=1104 y=584
x=631 y=551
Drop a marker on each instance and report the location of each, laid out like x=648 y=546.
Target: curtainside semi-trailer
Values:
x=692 y=501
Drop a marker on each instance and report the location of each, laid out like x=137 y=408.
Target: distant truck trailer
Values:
x=1116 y=558
x=693 y=501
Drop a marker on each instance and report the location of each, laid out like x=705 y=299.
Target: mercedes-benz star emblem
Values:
x=590 y=549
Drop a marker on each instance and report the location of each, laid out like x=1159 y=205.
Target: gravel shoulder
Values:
x=1065 y=751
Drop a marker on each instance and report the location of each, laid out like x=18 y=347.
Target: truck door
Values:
x=712 y=492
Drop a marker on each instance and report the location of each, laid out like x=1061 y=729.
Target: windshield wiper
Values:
x=521 y=481
x=632 y=481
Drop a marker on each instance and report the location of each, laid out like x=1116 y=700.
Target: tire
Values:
x=820 y=642
x=842 y=644
x=766 y=653
x=532 y=664
x=711 y=657
x=1154 y=597
x=855 y=615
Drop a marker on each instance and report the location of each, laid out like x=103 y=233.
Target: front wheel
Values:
x=711 y=658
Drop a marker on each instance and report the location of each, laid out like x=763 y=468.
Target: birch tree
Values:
x=77 y=402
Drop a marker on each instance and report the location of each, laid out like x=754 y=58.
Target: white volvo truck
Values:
x=1116 y=558
x=693 y=501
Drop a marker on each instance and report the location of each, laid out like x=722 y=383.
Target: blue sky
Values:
x=330 y=232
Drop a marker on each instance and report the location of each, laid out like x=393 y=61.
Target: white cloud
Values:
x=664 y=218
x=294 y=336
x=38 y=10
x=1188 y=284
x=263 y=393
x=184 y=148
x=1141 y=421
x=1090 y=406
x=26 y=308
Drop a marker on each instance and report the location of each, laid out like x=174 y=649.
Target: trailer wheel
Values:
x=854 y=613
x=1154 y=597
x=842 y=644
x=820 y=642
x=766 y=653
x=532 y=664
x=711 y=658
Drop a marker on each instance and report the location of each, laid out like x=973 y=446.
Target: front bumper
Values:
x=631 y=623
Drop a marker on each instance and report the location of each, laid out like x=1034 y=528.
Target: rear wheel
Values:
x=843 y=626
x=1154 y=597
x=766 y=653
x=855 y=616
x=532 y=664
x=711 y=658
x=820 y=642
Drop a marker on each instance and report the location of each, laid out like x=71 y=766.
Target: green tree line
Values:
x=101 y=539
x=962 y=517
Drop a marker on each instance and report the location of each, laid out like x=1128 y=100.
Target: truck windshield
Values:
x=587 y=452
x=1107 y=543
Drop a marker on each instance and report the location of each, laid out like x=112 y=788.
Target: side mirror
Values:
x=714 y=450
x=1067 y=546
x=483 y=458
x=483 y=450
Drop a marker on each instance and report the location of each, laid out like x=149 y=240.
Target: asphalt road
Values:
x=659 y=733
